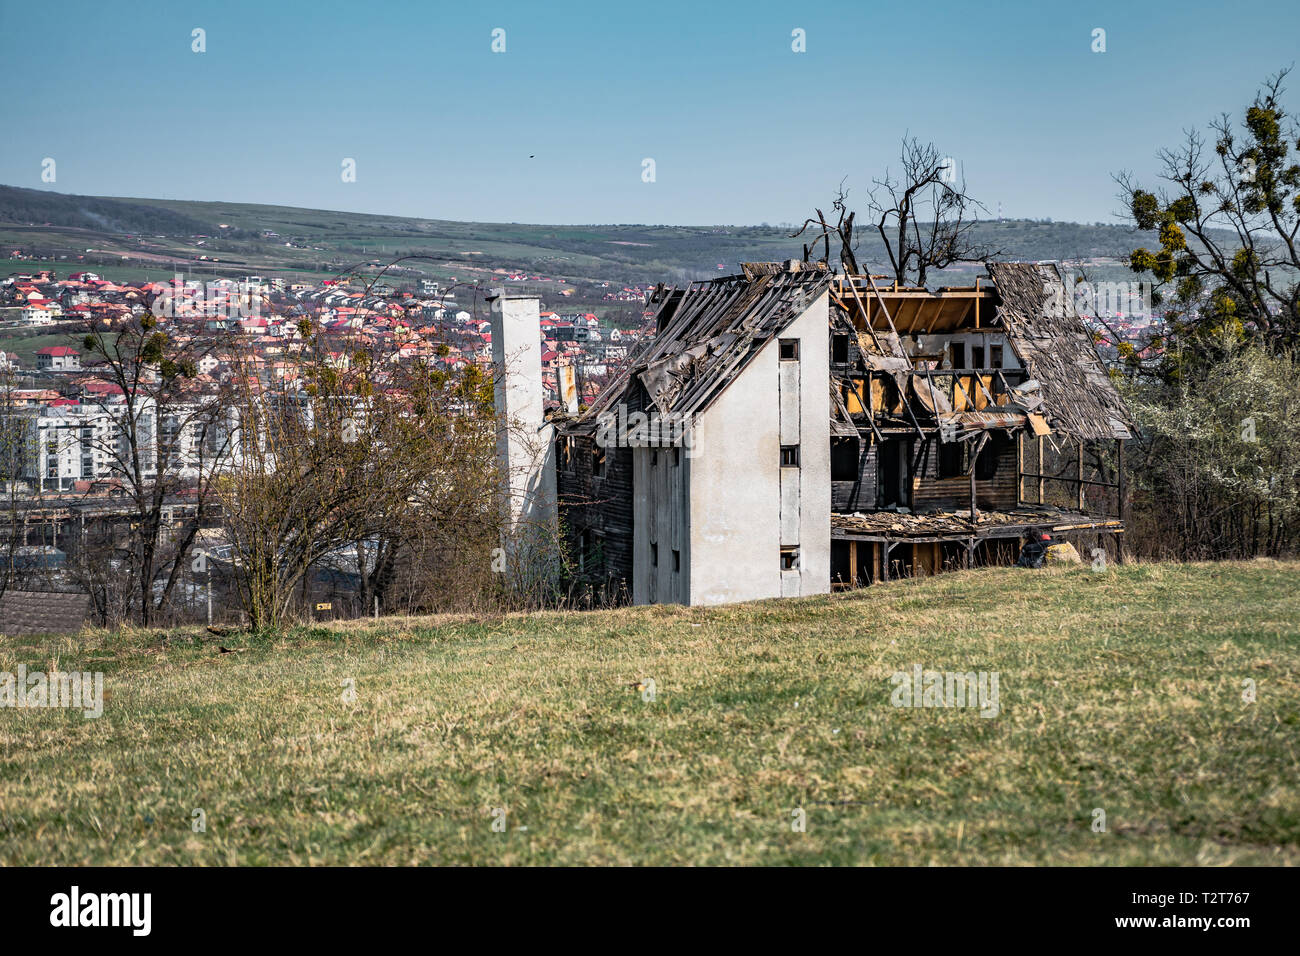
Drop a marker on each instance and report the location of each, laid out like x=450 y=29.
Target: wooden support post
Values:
x=974 y=457
x=967 y=401
x=885 y=548
x=973 y=511
x=1119 y=479
x=853 y=564
x=866 y=315
x=1020 y=468
x=1080 y=483
x=1042 y=470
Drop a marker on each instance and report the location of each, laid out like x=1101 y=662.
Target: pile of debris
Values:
x=904 y=524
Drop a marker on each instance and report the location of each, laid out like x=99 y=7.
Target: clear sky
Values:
x=741 y=128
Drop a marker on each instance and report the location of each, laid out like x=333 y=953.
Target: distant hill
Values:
x=287 y=239
x=39 y=207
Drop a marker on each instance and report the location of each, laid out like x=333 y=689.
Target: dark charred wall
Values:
x=859 y=493
x=596 y=512
x=997 y=492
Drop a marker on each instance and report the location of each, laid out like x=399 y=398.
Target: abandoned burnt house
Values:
x=790 y=431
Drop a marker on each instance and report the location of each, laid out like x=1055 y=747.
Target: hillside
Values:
x=157 y=231
x=1119 y=691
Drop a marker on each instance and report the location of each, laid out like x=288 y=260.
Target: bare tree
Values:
x=924 y=216
x=349 y=456
x=165 y=445
x=843 y=230
x=15 y=453
x=436 y=551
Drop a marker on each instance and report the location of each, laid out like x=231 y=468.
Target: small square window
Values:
x=789 y=456
x=789 y=350
x=789 y=559
x=844 y=459
x=952 y=459
x=995 y=356
x=654 y=555
x=677 y=457
x=654 y=458
x=677 y=560
x=598 y=462
x=839 y=348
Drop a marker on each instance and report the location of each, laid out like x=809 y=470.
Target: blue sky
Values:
x=741 y=128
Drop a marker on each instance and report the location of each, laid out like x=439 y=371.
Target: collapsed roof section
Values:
x=708 y=333
x=1037 y=313
x=1065 y=386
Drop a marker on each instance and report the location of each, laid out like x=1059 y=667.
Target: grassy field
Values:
x=1120 y=691
x=25 y=343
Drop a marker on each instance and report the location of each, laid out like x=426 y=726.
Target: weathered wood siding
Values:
x=932 y=493
x=600 y=505
x=860 y=495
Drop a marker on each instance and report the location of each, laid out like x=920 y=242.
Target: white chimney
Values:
x=525 y=442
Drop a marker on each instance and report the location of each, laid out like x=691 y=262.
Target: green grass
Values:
x=1119 y=690
x=26 y=343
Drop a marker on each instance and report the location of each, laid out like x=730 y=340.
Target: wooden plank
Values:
x=966 y=402
x=1080 y=475
x=1041 y=468
x=1070 y=481
x=1119 y=505
x=867 y=317
x=1020 y=468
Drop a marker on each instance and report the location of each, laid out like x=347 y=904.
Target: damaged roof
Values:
x=709 y=332
x=1038 y=316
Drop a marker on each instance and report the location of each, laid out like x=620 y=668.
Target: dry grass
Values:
x=1120 y=690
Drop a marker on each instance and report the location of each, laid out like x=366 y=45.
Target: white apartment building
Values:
x=64 y=444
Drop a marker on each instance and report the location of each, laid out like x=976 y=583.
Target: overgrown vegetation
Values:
x=396 y=465
x=1215 y=386
x=1216 y=464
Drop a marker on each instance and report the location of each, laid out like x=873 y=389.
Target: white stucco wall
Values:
x=813 y=331
x=735 y=476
